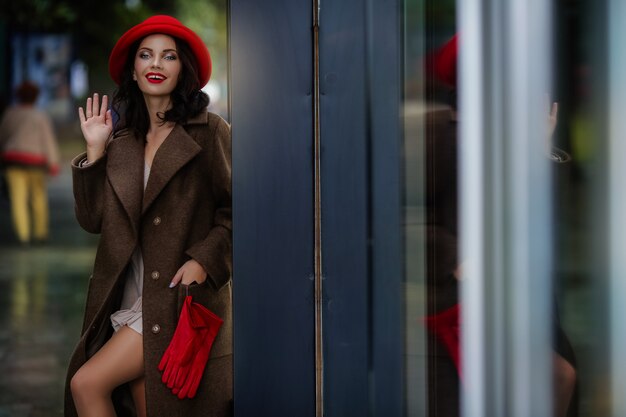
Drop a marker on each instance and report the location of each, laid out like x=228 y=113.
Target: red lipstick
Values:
x=155 y=77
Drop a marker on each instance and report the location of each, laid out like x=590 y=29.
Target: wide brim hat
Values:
x=443 y=63
x=166 y=25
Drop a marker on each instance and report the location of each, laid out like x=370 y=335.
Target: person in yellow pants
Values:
x=29 y=152
x=28 y=185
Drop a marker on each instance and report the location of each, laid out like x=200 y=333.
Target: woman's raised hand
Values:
x=96 y=124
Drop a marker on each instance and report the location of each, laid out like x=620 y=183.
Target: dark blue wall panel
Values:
x=271 y=114
x=272 y=122
x=344 y=207
x=385 y=88
x=361 y=84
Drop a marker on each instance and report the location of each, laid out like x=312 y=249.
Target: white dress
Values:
x=130 y=312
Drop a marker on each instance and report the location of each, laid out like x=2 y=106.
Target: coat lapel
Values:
x=125 y=168
x=177 y=149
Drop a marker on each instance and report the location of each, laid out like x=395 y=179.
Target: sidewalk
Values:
x=42 y=295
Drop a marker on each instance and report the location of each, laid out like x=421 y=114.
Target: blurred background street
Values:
x=42 y=293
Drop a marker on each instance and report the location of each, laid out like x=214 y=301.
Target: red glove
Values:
x=207 y=324
x=185 y=359
x=446 y=327
x=179 y=347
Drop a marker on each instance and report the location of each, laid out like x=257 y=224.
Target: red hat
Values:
x=444 y=62
x=166 y=25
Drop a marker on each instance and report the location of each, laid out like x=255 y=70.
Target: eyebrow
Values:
x=151 y=50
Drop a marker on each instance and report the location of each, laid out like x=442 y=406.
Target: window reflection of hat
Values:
x=445 y=62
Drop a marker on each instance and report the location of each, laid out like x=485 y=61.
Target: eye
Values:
x=171 y=57
x=144 y=55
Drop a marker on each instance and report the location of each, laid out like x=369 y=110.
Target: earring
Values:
x=134 y=77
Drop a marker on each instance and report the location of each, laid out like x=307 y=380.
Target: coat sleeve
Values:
x=88 y=183
x=214 y=252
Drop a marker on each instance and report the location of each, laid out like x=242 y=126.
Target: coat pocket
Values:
x=195 y=290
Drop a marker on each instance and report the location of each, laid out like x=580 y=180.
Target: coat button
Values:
x=156 y=329
x=156 y=221
x=155 y=275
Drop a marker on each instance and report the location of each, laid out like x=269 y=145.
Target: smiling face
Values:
x=157 y=65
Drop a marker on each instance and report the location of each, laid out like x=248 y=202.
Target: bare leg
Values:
x=138 y=390
x=564 y=376
x=120 y=360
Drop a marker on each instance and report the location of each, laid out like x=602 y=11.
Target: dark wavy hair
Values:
x=187 y=98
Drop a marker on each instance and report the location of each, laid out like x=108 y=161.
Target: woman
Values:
x=156 y=186
x=30 y=152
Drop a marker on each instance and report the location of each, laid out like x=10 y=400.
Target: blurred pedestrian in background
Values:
x=29 y=153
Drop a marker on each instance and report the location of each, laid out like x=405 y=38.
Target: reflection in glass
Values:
x=434 y=270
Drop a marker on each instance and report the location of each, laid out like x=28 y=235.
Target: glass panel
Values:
x=430 y=212
x=513 y=261
x=582 y=223
x=580 y=302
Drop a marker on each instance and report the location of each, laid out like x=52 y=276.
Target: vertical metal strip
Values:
x=505 y=207
x=319 y=348
x=617 y=201
x=528 y=232
x=472 y=102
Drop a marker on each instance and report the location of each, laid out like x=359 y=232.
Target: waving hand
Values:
x=96 y=124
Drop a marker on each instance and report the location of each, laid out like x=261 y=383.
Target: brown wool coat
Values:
x=185 y=212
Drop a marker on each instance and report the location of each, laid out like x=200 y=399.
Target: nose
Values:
x=156 y=62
